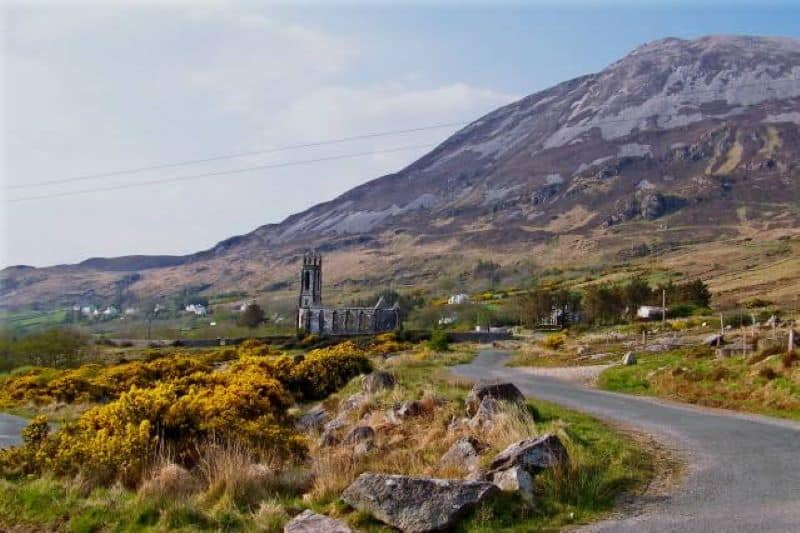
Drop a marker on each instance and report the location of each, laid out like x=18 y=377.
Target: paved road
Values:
x=744 y=470
x=10 y=429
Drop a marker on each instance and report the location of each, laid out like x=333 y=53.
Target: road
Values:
x=743 y=470
x=10 y=429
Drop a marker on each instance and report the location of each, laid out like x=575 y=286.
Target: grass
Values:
x=759 y=383
x=229 y=489
x=604 y=465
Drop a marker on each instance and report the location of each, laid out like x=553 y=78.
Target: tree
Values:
x=535 y=305
x=252 y=316
x=603 y=304
x=637 y=292
x=695 y=292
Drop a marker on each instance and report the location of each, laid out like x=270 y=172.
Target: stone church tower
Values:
x=312 y=317
x=311 y=280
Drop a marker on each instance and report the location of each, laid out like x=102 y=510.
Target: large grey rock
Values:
x=352 y=403
x=377 y=381
x=515 y=479
x=488 y=409
x=629 y=359
x=407 y=409
x=416 y=504
x=310 y=522
x=359 y=434
x=507 y=392
x=532 y=455
x=313 y=420
x=463 y=453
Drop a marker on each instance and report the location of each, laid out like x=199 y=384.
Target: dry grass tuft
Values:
x=271 y=516
x=333 y=469
x=170 y=481
x=234 y=477
x=513 y=423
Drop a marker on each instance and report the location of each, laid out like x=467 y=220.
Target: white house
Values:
x=457 y=299
x=649 y=312
x=110 y=311
x=197 y=309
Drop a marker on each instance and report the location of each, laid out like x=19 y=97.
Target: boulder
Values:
x=533 y=455
x=484 y=416
x=313 y=420
x=406 y=409
x=363 y=448
x=377 y=381
x=310 y=522
x=359 y=434
x=515 y=479
x=714 y=340
x=629 y=359
x=353 y=402
x=507 y=392
x=416 y=504
x=328 y=438
x=463 y=453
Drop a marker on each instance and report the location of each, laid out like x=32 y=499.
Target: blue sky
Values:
x=91 y=89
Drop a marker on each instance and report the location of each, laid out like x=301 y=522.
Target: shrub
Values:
x=554 y=341
x=768 y=373
x=252 y=316
x=439 y=341
x=325 y=370
x=58 y=347
x=681 y=310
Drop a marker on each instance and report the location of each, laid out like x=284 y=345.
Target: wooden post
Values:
x=663 y=305
x=790 y=347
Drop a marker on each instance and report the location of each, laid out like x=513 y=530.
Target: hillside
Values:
x=683 y=155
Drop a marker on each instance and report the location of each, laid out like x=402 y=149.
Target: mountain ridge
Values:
x=676 y=133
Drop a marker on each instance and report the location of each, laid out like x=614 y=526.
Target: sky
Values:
x=93 y=89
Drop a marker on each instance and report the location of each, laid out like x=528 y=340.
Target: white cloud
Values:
x=102 y=89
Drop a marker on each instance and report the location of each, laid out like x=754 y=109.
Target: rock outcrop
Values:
x=377 y=381
x=506 y=392
x=313 y=420
x=416 y=504
x=359 y=434
x=533 y=455
x=515 y=479
x=310 y=522
x=464 y=453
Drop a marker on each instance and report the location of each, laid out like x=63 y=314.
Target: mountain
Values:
x=679 y=145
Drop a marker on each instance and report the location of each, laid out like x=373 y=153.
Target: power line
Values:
x=187 y=162
x=218 y=173
x=589 y=123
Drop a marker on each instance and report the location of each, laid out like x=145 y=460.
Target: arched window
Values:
x=307 y=280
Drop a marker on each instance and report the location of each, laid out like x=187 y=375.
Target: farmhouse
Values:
x=313 y=317
x=649 y=312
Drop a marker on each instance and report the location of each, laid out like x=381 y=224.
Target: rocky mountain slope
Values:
x=678 y=143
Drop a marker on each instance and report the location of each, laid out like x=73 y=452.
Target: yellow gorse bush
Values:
x=174 y=405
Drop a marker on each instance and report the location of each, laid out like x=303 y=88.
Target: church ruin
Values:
x=313 y=317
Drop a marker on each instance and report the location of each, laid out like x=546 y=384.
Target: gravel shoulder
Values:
x=584 y=375
x=742 y=474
